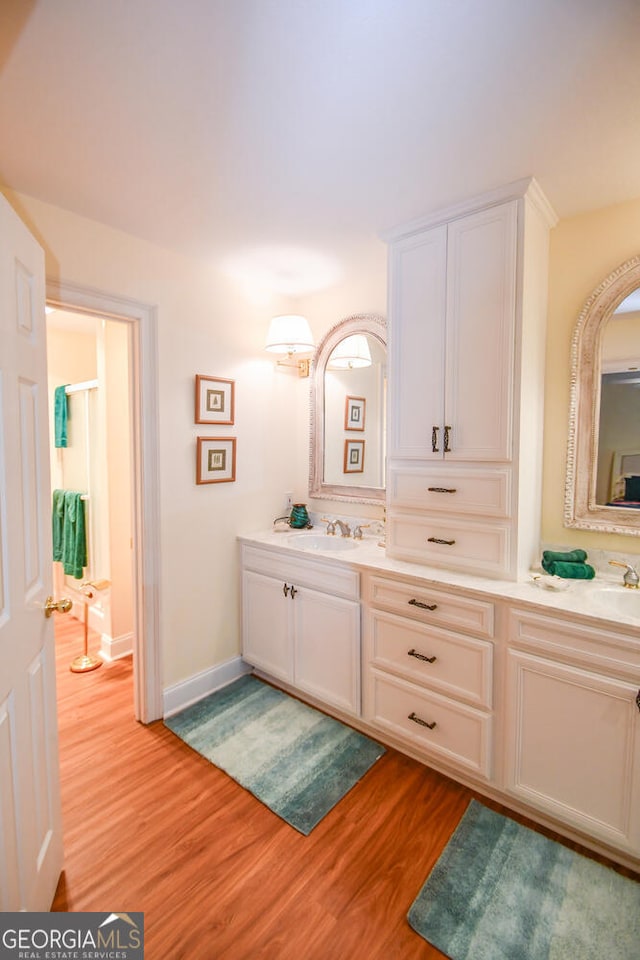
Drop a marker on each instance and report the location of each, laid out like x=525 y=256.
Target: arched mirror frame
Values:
x=581 y=509
x=372 y=325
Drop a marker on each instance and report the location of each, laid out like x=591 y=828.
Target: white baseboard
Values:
x=113 y=648
x=183 y=694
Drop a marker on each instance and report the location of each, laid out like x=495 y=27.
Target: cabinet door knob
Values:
x=434 y=439
x=285 y=590
x=447 y=448
x=293 y=591
x=448 y=543
x=423 y=606
x=423 y=723
x=420 y=656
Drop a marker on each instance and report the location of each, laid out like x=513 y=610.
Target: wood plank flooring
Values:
x=149 y=825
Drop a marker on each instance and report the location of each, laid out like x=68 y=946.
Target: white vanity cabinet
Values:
x=428 y=672
x=572 y=725
x=301 y=624
x=467 y=308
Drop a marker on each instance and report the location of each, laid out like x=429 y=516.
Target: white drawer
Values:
x=477 y=547
x=589 y=646
x=485 y=493
x=431 y=605
x=433 y=724
x=328 y=576
x=456 y=666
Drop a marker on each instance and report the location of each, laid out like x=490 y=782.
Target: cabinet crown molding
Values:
x=527 y=187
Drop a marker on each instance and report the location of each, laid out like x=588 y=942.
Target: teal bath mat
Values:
x=293 y=758
x=503 y=892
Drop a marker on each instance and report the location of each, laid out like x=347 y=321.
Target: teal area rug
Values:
x=293 y=758
x=503 y=892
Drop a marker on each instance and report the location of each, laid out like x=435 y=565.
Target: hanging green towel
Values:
x=69 y=532
x=571 y=556
x=74 y=537
x=57 y=520
x=60 y=414
x=568 y=570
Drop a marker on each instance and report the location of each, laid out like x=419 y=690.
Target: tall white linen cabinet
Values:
x=467 y=325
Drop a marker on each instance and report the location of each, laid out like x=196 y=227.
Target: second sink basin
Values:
x=615 y=600
x=321 y=542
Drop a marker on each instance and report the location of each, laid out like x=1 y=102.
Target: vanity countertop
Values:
x=602 y=600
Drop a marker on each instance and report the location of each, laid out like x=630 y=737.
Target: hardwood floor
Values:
x=150 y=825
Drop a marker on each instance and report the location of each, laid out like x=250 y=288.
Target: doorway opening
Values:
x=124 y=330
x=89 y=375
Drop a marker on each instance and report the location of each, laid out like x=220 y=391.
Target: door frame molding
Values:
x=143 y=365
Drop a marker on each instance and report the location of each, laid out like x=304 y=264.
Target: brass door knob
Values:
x=62 y=606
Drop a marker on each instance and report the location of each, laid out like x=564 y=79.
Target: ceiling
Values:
x=300 y=129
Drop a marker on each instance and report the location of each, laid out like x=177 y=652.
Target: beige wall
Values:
x=204 y=326
x=584 y=250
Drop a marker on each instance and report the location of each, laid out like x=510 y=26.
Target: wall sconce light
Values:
x=350 y=353
x=291 y=335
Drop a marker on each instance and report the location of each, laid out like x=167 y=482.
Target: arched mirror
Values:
x=603 y=461
x=348 y=412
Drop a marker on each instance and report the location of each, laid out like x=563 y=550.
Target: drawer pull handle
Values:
x=447 y=448
x=285 y=590
x=423 y=606
x=448 y=543
x=423 y=723
x=434 y=439
x=421 y=656
x=442 y=489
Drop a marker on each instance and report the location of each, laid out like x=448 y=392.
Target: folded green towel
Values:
x=572 y=556
x=568 y=570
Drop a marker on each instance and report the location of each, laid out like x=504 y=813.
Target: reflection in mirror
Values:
x=348 y=412
x=618 y=473
x=603 y=463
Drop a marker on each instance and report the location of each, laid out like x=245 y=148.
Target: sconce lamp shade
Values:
x=350 y=353
x=289 y=334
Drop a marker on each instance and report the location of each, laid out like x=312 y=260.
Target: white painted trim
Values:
x=528 y=186
x=114 y=648
x=183 y=694
x=146 y=493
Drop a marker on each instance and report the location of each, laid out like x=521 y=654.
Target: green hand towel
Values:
x=57 y=519
x=74 y=537
x=568 y=570
x=572 y=556
x=60 y=414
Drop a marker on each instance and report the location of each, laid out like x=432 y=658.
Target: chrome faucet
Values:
x=630 y=577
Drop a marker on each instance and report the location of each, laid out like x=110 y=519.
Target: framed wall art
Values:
x=215 y=400
x=354 y=413
x=216 y=460
x=353 y=456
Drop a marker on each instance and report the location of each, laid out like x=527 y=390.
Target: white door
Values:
x=30 y=819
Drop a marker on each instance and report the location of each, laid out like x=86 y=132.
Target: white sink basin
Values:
x=318 y=542
x=615 y=600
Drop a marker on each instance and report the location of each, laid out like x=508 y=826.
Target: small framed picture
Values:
x=216 y=460
x=354 y=413
x=214 y=400
x=353 y=456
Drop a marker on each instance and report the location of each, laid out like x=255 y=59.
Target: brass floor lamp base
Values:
x=84 y=663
